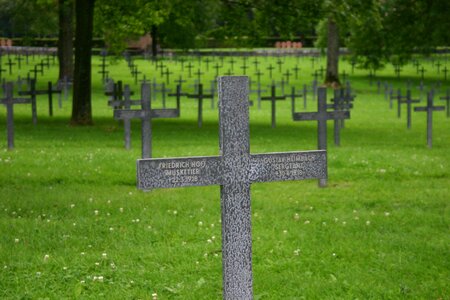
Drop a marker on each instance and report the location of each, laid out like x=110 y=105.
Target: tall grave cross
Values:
x=447 y=99
x=408 y=101
x=321 y=116
x=9 y=101
x=273 y=99
x=235 y=169
x=429 y=110
x=146 y=114
x=200 y=96
x=445 y=71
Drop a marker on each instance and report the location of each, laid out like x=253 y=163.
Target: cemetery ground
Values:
x=73 y=224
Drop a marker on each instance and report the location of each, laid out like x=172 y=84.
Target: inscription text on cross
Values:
x=234 y=170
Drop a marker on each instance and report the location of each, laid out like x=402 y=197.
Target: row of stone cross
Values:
x=38 y=68
x=120 y=100
x=30 y=97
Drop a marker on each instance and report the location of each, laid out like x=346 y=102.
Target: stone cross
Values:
x=447 y=99
x=273 y=98
x=9 y=101
x=321 y=116
x=445 y=71
x=146 y=114
x=293 y=96
x=199 y=96
x=270 y=68
x=235 y=169
x=408 y=101
x=429 y=110
x=296 y=69
x=32 y=93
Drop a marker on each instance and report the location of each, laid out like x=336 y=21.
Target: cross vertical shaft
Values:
x=235 y=192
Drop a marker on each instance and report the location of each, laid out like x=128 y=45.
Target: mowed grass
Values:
x=73 y=224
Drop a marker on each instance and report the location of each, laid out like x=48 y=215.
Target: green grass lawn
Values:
x=73 y=224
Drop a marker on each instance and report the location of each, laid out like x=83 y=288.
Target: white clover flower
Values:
x=296 y=216
x=104 y=255
x=38 y=274
x=387 y=214
x=16 y=240
x=111 y=229
x=209 y=241
x=367 y=223
x=213 y=237
x=307 y=222
x=121 y=209
x=344 y=223
x=285 y=231
x=200 y=223
x=46 y=257
x=324 y=223
x=96 y=212
x=297 y=252
x=82 y=253
x=72 y=205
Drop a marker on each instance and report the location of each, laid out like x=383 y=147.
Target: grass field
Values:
x=73 y=224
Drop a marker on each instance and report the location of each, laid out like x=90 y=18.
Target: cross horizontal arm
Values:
x=124 y=114
x=288 y=166
x=434 y=108
x=178 y=172
x=165 y=113
x=123 y=102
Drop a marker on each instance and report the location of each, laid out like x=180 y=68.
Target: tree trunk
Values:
x=332 y=76
x=154 y=34
x=82 y=108
x=65 y=40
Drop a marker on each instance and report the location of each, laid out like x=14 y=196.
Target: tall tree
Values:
x=65 y=39
x=332 y=72
x=82 y=106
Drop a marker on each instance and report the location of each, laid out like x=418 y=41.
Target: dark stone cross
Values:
x=258 y=75
x=244 y=68
x=146 y=114
x=199 y=96
x=429 y=110
x=296 y=69
x=207 y=61
x=235 y=169
x=126 y=104
x=9 y=101
x=287 y=74
x=342 y=101
x=180 y=81
x=167 y=73
x=322 y=116
x=32 y=92
x=293 y=96
x=10 y=64
x=258 y=92
x=199 y=74
x=270 y=68
x=103 y=70
x=445 y=71
x=217 y=66
x=408 y=101
x=163 y=92
x=255 y=62
x=321 y=71
x=19 y=59
x=447 y=99
x=422 y=70
x=189 y=66
x=273 y=99
x=280 y=64
x=232 y=62
x=438 y=66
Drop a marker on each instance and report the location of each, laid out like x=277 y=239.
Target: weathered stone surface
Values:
x=234 y=170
